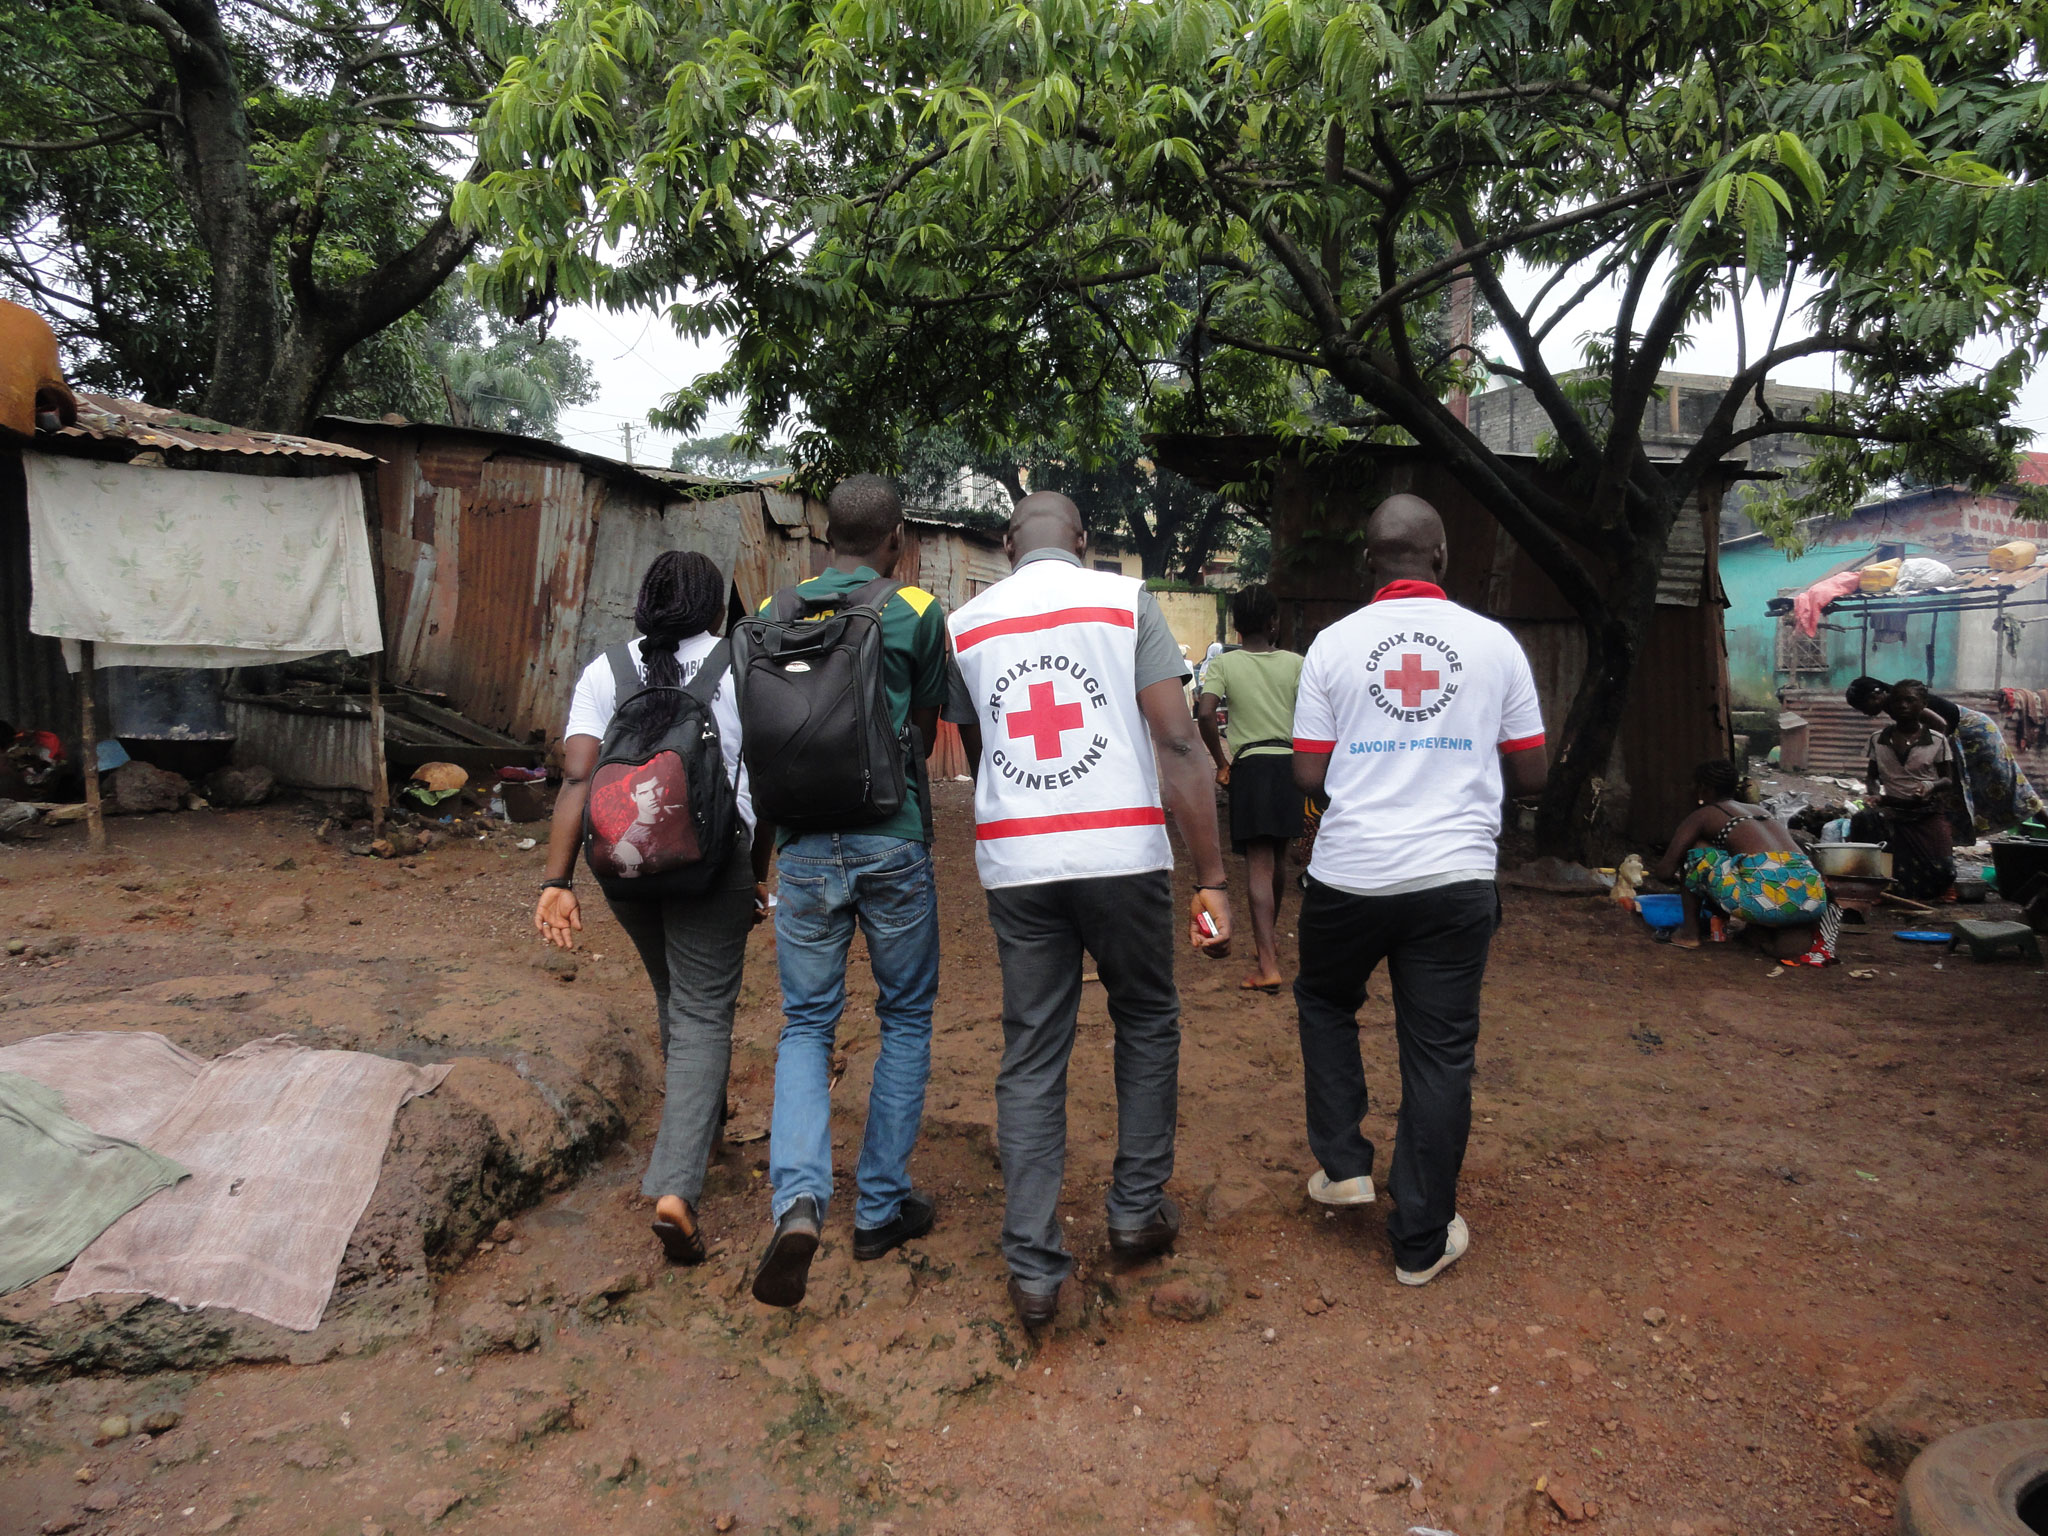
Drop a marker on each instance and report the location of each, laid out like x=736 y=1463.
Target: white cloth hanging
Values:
x=194 y=568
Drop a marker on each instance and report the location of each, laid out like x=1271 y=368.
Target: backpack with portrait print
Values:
x=662 y=815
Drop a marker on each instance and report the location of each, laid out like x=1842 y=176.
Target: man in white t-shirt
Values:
x=1411 y=714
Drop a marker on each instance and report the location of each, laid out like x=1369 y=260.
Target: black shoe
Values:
x=786 y=1266
x=913 y=1219
x=1035 y=1309
x=1156 y=1236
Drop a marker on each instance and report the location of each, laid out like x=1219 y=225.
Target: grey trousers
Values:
x=694 y=949
x=1126 y=923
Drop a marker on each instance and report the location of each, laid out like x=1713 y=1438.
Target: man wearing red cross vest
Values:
x=1411 y=714
x=1072 y=684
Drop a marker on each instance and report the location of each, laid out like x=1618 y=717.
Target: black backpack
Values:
x=822 y=752
x=662 y=815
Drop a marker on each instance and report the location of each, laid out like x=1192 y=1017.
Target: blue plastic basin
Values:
x=1661 y=911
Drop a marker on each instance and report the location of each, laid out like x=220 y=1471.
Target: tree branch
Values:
x=1474 y=249
x=1534 y=92
x=1571 y=426
x=1265 y=349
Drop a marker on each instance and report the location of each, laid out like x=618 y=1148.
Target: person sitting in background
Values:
x=1257 y=683
x=2000 y=795
x=1915 y=778
x=1739 y=861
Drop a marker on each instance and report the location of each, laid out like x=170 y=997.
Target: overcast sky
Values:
x=639 y=360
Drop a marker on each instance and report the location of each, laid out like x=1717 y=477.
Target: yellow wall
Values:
x=1192 y=618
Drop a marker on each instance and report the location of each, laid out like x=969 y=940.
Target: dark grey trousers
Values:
x=1435 y=944
x=1126 y=923
x=694 y=949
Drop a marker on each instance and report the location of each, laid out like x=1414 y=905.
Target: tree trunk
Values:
x=1592 y=725
x=209 y=158
x=1202 y=542
x=272 y=361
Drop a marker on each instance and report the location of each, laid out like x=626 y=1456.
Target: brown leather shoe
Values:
x=1035 y=1309
x=1156 y=1236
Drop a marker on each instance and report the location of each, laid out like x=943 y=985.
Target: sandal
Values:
x=682 y=1245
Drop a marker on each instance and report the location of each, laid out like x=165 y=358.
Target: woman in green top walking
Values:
x=1257 y=683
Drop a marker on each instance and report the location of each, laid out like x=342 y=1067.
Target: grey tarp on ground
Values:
x=284 y=1144
x=61 y=1183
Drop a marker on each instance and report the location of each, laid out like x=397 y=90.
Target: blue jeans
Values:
x=828 y=880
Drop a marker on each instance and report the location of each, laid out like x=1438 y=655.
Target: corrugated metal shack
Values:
x=1679 y=713
x=509 y=562
x=36 y=692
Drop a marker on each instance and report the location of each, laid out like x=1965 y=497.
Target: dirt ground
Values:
x=1721 y=1215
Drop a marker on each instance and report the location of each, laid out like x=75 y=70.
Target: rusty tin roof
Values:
x=111 y=420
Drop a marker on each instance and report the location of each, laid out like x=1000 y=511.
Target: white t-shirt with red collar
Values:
x=1415 y=699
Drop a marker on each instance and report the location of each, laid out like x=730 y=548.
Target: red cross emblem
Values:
x=1411 y=682
x=1045 y=721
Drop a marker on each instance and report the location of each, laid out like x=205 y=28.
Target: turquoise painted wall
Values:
x=1754 y=573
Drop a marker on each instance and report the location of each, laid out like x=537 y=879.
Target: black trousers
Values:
x=1435 y=944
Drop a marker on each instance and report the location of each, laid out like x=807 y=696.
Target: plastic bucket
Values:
x=1661 y=911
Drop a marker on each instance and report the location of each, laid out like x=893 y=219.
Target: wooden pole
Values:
x=380 y=787
x=89 y=751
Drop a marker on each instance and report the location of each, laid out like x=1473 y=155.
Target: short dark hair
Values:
x=861 y=512
x=1909 y=691
x=1865 y=691
x=1720 y=778
x=1254 y=610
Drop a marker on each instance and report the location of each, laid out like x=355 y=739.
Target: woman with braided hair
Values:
x=1739 y=861
x=693 y=947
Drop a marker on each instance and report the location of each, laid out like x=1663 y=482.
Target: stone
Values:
x=617 y=1464
x=282 y=912
x=16 y=816
x=430 y=1504
x=613 y=1286
x=1901 y=1427
x=1230 y=1197
x=1656 y=1317
x=1566 y=1502
x=1390 y=1479
x=1556 y=876
x=163 y=1421
x=491 y=1325
x=115 y=1426
x=103 y=1501
x=558 y=963
x=502 y=1232
x=1187 y=1299
x=236 y=787
x=217 y=1524
x=725 y=1522
x=309 y=1454
x=57 y=1525
x=139 y=789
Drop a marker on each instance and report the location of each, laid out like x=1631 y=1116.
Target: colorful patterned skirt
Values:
x=2000 y=795
x=1774 y=890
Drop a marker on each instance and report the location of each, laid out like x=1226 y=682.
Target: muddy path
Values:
x=1725 y=1223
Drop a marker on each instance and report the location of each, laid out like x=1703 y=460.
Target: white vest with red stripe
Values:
x=1068 y=789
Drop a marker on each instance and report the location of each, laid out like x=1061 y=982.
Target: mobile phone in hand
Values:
x=1207 y=924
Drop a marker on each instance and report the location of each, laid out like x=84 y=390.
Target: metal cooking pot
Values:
x=1866 y=861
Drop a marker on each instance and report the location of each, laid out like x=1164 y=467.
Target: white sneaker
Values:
x=1457 y=1238
x=1325 y=1190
